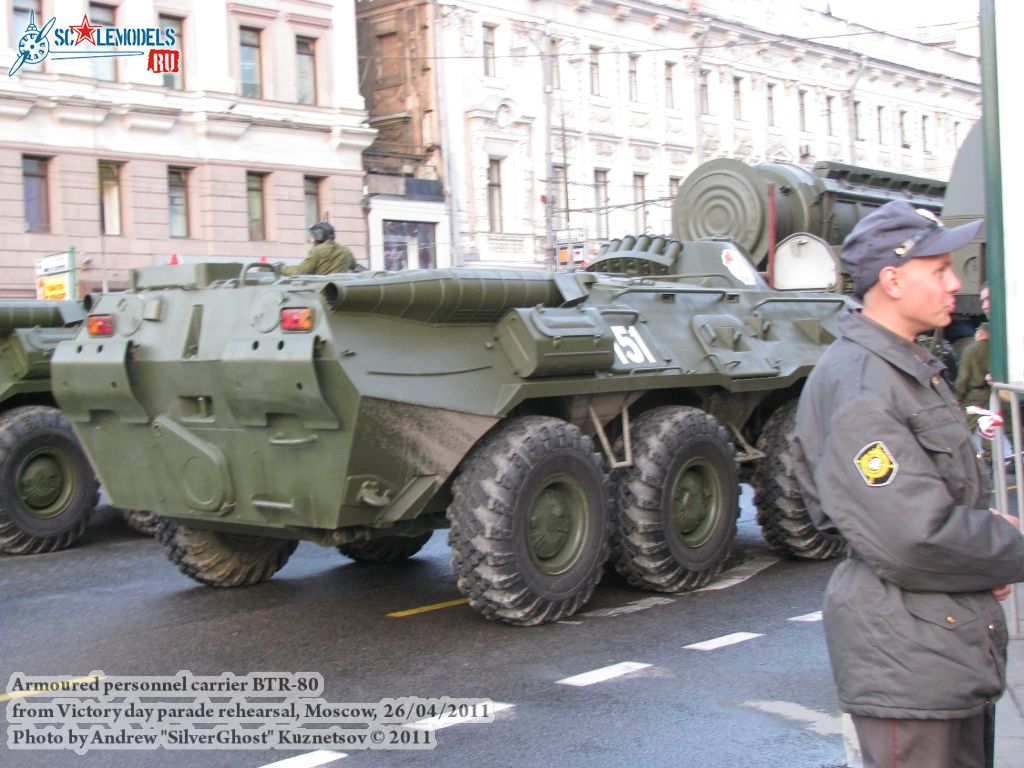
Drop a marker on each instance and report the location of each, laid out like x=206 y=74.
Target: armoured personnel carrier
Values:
x=47 y=488
x=546 y=419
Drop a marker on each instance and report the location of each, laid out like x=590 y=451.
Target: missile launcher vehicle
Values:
x=550 y=421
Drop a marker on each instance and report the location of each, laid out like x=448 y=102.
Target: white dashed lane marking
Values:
x=724 y=640
x=633 y=607
x=437 y=723
x=819 y=722
x=739 y=574
x=816 y=616
x=309 y=760
x=605 y=673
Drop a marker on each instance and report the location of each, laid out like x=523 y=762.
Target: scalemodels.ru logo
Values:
x=54 y=42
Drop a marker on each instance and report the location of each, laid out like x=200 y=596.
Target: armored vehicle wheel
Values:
x=781 y=512
x=676 y=507
x=223 y=559
x=140 y=522
x=47 y=488
x=387 y=549
x=529 y=522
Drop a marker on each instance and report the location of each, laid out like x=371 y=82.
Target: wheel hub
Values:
x=41 y=484
x=556 y=525
x=694 y=504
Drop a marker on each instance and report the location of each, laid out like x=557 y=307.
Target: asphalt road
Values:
x=615 y=686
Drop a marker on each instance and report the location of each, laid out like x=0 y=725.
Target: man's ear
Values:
x=890 y=282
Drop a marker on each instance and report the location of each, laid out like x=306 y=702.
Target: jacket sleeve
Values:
x=880 y=479
x=308 y=266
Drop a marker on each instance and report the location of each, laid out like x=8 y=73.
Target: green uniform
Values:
x=325 y=258
x=971 y=387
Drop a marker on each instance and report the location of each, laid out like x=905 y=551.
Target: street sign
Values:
x=55 y=276
x=55 y=264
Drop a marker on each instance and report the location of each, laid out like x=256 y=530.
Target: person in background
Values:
x=972 y=381
x=915 y=633
x=325 y=257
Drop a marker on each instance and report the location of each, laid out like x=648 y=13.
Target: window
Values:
x=737 y=98
x=883 y=135
x=105 y=67
x=601 y=204
x=177 y=202
x=37 y=193
x=670 y=84
x=489 y=61
x=634 y=86
x=640 y=198
x=595 y=71
x=249 y=59
x=702 y=87
x=21 y=14
x=673 y=185
x=389 y=59
x=494 y=195
x=174 y=80
x=409 y=244
x=311 y=199
x=904 y=139
x=305 y=69
x=254 y=198
x=556 y=67
x=829 y=112
x=769 y=103
x=856 y=121
x=802 y=107
x=110 y=198
x=560 y=214
x=956 y=134
x=925 y=146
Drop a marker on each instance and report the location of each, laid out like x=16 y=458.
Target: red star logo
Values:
x=86 y=31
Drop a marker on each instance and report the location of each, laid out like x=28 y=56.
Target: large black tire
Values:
x=781 y=511
x=529 y=522
x=386 y=549
x=141 y=522
x=675 y=509
x=47 y=489
x=223 y=559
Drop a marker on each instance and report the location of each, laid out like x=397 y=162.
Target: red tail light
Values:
x=101 y=325
x=297 y=319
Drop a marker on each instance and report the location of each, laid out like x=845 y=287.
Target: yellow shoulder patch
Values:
x=876 y=464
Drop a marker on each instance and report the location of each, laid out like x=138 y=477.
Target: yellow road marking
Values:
x=64 y=685
x=428 y=608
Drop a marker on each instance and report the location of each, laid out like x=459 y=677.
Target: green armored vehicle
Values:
x=47 y=488
x=550 y=420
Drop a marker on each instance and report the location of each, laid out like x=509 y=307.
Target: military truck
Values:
x=546 y=419
x=47 y=488
x=792 y=220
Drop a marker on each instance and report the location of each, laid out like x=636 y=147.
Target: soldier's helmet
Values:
x=322 y=231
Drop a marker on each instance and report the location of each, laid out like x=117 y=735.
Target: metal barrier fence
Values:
x=1003 y=395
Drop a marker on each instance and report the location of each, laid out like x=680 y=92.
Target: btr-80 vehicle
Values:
x=550 y=420
x=47 y=488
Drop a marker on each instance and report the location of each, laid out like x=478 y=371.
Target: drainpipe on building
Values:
x=451 y=196
x=698 y=126
x=549 y=170
x=851 y=115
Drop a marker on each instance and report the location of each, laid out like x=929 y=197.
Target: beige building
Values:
x=259 y=134
x=556 y=124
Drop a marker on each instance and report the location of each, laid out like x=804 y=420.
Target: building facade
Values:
x=258 y=134
x=554 y=125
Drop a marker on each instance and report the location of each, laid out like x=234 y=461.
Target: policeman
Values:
x=915 y=634
x=325 y=257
